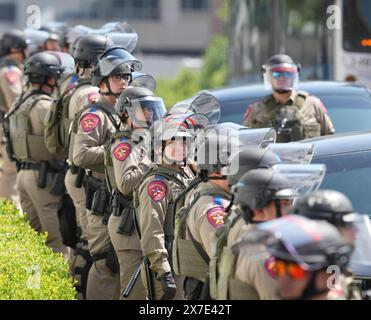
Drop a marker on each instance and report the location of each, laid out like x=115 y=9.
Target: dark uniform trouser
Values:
x=102 y=283
x=40 y=207
x=129 y=260
x=81 y=261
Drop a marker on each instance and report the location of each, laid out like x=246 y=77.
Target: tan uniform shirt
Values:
x=95 y=129
x=259 y=114
x=81 y=97
x=10 y=86
x=130 y=162
x=69 y=82
x=236 y=231
x=155 y=194
x=253 y=267
x=207 y=215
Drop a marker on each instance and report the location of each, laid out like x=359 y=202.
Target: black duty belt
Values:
x=29 y=166
x=36 y=167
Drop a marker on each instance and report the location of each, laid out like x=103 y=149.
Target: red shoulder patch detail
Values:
x=89 y=122
x=269 y=267
x=11 y=76
x=248 y=112
x=122 y=151
x=157 y=190
x=216 y=216
x=93 y=97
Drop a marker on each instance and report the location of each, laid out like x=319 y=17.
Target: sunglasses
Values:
x=119 y=77
x=292 y=269
x=279 y=74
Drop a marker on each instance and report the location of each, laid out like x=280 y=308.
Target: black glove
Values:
x=168 y=285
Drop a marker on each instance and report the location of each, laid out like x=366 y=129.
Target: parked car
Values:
x=347 y=157
x=348 y=160
x=348 y=104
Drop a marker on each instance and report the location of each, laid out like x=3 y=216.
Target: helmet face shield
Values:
x=205 y=104
x=67 y=62
x=360 y=262
x=144 y=81
x=304 y=179
x=293 y=153
x=281 y=77
x=125 y=40
x=175 y=128
x=118 y=58
x=35 y=39
x=145 y=111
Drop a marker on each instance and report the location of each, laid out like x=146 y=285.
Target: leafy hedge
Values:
x=29 y=270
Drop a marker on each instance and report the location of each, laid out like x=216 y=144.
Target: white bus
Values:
x=331 y=39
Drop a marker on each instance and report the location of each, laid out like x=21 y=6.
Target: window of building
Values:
x=7 y=12
x=195 y=5
x=136 y=9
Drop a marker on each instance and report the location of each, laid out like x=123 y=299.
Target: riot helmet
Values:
x=281 y=74
x=41 y=66
x=13 y=39
x=88 y=49
x=330 y=205
x=114 y=61
x=141 y=105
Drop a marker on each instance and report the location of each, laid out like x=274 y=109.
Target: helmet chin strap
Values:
x=277 y=204
x=109 y=93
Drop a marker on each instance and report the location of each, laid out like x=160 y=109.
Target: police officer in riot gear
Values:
x=13 y=52
x=301 y=251
x=295 y=115
x=155 y=201
x=86 y=54
x=335 y=208
x=95 y=125
x=127 y=160
x=38 y=168
x=262 y=194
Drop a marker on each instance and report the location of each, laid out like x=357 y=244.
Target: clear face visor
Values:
x=360 y=262
x=67 y=61
x=118 y=57
x=242 y=138
x=180 y=125
x=304 y=178
x=143 y=81
x=145 y=111
x=76 y=32
x=35 y=39
x=281 y=77
x=293 y=153
x=125 y=40
x=205 y=104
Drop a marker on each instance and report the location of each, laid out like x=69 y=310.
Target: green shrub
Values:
x=29 y=270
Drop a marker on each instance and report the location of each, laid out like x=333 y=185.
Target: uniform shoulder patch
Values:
x=11 y=76
x=93 y=97
x=89 y=122
x=122 y=151
x=216 y=216
x=269 y=267
x=157 y=190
